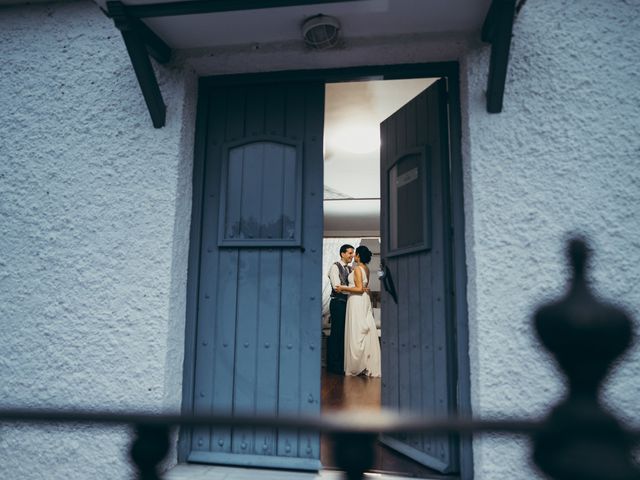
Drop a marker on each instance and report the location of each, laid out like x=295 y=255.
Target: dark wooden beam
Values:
x=497 y=30
x=211 y=6
x=156 y=47
x=134 y=40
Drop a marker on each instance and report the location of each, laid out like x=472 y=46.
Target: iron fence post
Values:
x=580 y=439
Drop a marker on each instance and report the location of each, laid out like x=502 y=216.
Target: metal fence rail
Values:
x=578 y=440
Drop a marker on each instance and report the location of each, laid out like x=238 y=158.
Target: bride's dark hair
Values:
x=364 y=253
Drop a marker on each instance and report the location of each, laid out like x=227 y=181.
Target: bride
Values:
x=361 y=344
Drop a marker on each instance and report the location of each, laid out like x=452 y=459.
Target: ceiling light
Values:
x=355 y=139
x=321 y=31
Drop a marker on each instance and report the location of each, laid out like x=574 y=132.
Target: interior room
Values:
x=353 y=113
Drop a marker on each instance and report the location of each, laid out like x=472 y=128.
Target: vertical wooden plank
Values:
x=289 y=378
x=270 y=202
x=426 y=290
x=404 y=325
x=289 y=190
x=274 y=125
x=392 y=319
x=274 y=110
x=254 y=126
x=271 y=284
x=236 y=118
x=415 y=316
x=253 y=162
x=385 y=298
x=414 y=346
x=235 y=113
x=404 y=332
x=459 y=284
x=232 y=215
x=186 y=435
x=289 y=386
x=226 y=293
x=426 y=345
x=422 y=119
x=311 y=308
x=411 y=125
x=223 y=366
x=205 y=327
x=255 y=111
x=249 y=274
x=438 y=279
x=400 y=118
x=209 y=285
x=453 y=443
x=246 y=345
x=266 y=391
x=252 y=189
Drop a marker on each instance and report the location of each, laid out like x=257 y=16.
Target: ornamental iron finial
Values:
x=149 y=449
x=581 y=439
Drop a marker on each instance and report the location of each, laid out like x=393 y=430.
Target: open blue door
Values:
x=418 y=343
x=258 y=308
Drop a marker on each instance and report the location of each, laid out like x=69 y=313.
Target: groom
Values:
x=338 y=274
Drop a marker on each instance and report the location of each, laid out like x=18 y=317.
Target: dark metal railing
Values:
x=579 y=440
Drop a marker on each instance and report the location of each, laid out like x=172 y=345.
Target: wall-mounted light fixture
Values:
x=321 y=31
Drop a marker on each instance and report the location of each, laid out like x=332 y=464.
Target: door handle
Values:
x=387 y=282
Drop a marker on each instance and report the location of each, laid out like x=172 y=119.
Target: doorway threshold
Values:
x=217 y=472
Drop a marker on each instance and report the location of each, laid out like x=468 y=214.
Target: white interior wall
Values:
x=95 y=213
x=562 y=157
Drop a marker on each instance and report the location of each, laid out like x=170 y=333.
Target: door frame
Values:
x=448 y=70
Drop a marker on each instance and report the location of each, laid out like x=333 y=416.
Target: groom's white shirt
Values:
x=334 y=274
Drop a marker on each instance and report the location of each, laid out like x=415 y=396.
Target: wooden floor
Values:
x=340 y=392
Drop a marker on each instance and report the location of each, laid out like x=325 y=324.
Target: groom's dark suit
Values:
x=337 y=309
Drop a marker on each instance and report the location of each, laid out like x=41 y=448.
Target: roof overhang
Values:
x=157 y=29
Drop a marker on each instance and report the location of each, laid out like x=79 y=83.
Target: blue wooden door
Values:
x=418 y=367
x=258 y=329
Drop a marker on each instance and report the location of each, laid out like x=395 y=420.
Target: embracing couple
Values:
x=353 y=347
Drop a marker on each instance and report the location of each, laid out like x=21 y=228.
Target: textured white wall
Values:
x=95 y=206
x=562 y=156
x=95 y=213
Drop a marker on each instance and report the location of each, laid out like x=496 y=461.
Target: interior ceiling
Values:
x=358 y=19
x=352 y=180
x=363 y=105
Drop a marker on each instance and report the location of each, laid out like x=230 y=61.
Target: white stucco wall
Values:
x=95 y=213
x=95 y=210
x=562 y=157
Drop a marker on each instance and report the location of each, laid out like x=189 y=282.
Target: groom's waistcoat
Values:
x=343 y=272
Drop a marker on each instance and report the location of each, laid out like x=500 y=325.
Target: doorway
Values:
x=252 y=313
x=361 y=181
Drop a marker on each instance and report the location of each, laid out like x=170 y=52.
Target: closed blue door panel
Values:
x=258 y=329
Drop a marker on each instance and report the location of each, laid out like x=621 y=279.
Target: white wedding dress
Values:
x=361 y=344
